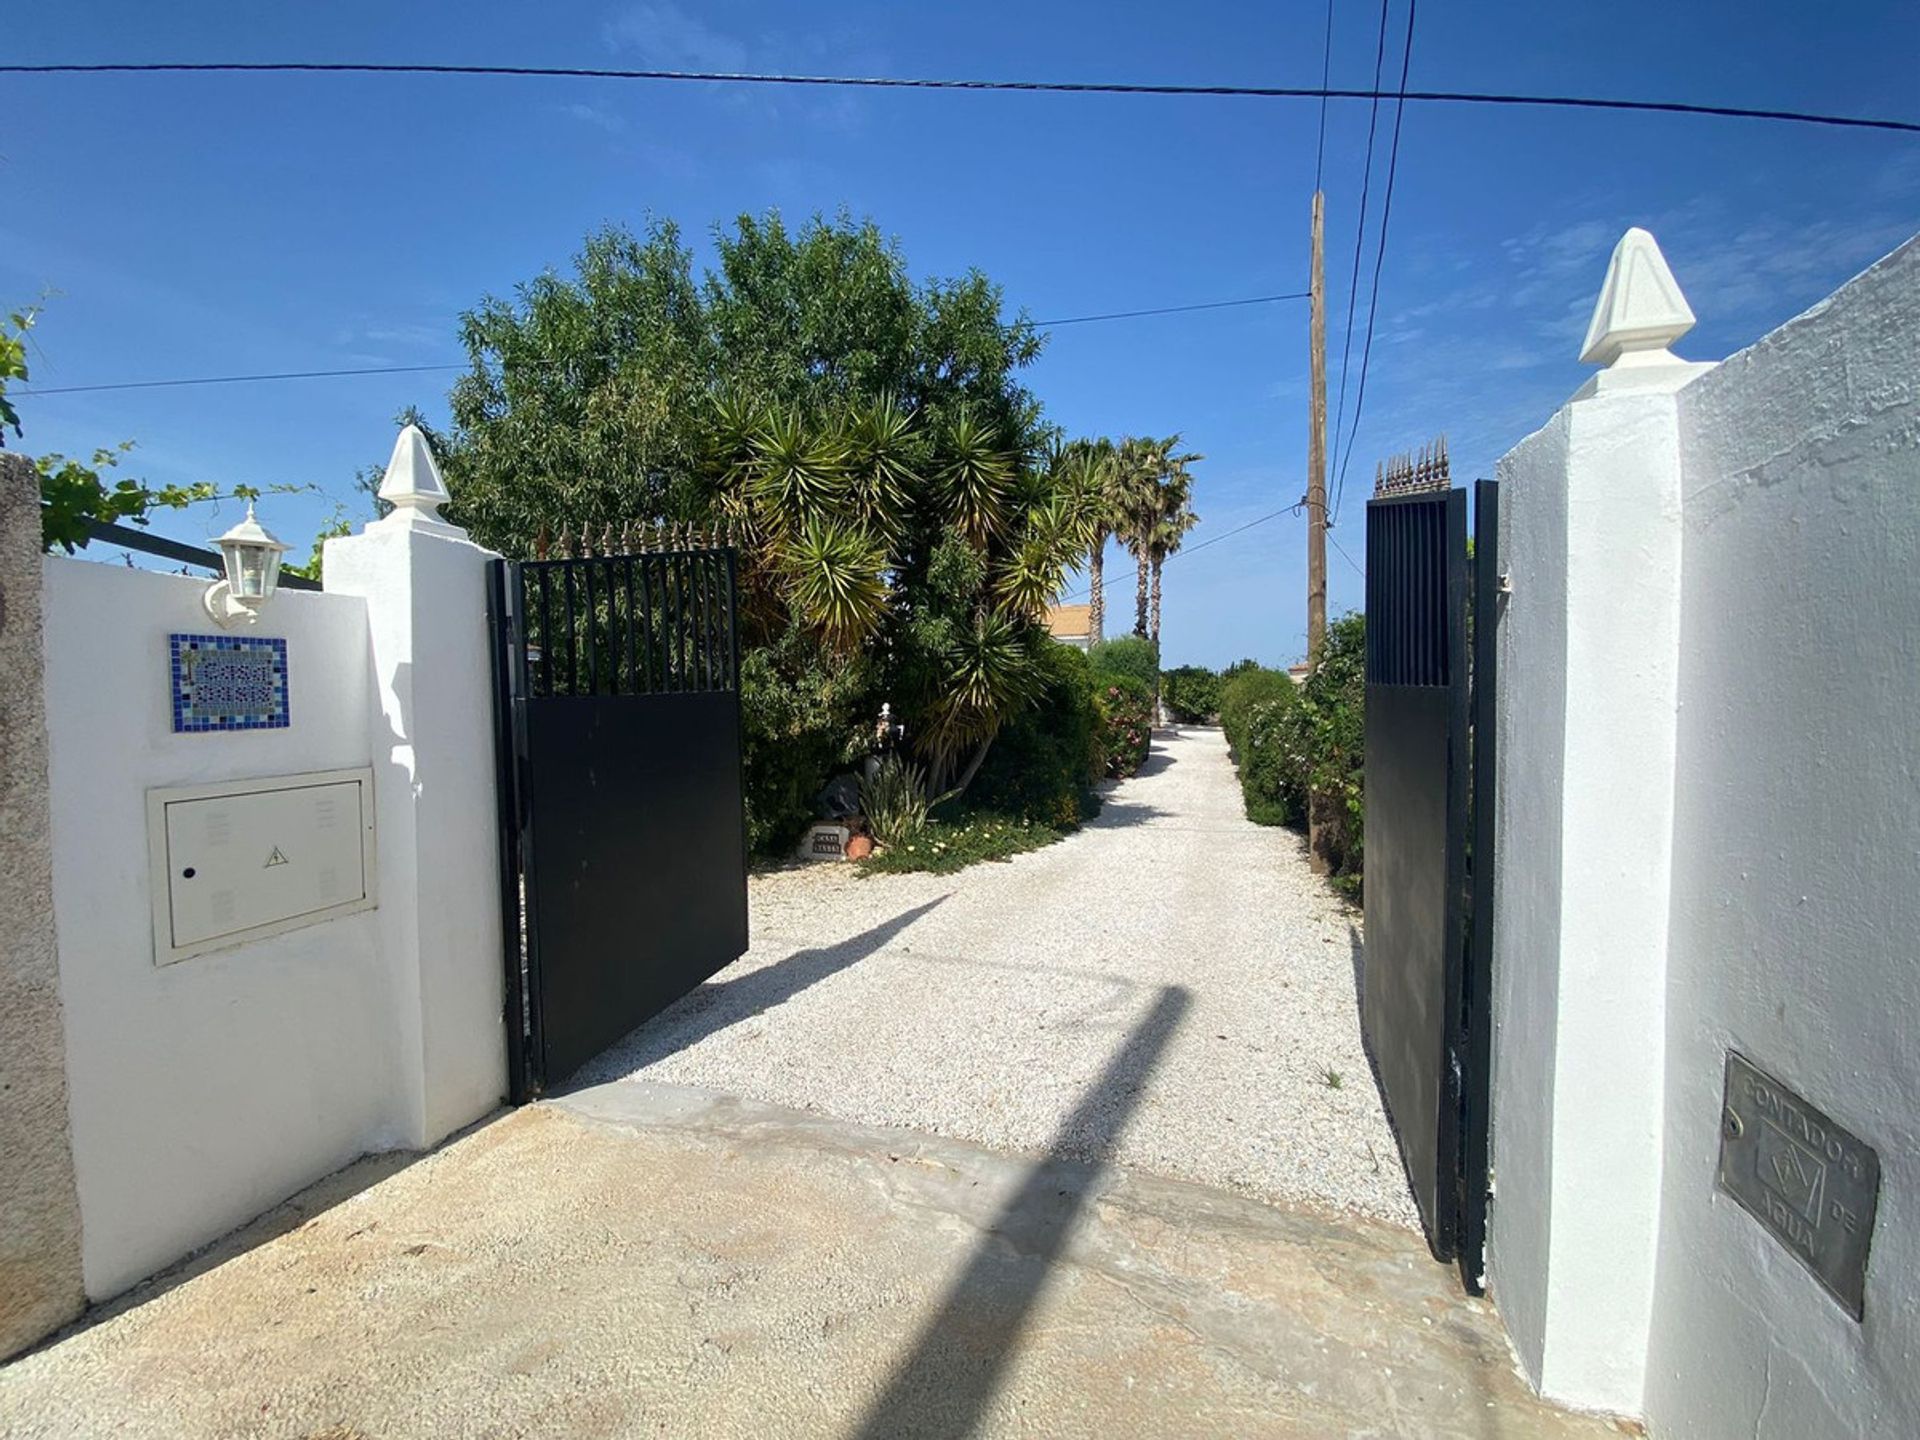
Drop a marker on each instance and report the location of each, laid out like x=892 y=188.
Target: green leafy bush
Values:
x=944 y=847
x=1269 y=779
x=798 y=725
x=1307 y=748
x=894 y=800
x=1191 y=694
x=1044 y=759
x=1128 y=655
x=1247 y=689
x=1328 y=742
x=1126 y=723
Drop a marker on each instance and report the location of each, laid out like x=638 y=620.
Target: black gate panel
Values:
x=634 y=867
x=625 y=870
x=1417 y=787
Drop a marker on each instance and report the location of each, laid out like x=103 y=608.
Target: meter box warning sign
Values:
x=244 y=859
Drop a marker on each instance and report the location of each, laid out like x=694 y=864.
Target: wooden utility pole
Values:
x=1317 y=441
x=1317 y=495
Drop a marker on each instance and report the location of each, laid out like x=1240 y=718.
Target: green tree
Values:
x=1152 y=491
x=1092 y=467
x=862 y=436
x=1170 y=526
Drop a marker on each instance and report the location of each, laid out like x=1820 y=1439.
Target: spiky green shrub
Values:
x=894 y=800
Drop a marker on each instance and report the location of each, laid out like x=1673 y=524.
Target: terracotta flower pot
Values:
x=859 y=847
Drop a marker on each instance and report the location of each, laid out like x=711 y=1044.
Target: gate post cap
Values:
x=413 y=485
x=1641 y=310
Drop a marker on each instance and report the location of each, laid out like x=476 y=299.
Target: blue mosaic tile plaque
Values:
x=228 y=682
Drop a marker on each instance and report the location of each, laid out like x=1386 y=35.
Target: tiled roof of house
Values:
x=1072 y=621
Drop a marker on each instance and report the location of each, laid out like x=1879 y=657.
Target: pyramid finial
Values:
x=413 y=485
x=1640 y=311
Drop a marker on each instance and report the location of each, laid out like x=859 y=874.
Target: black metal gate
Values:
x=1425 y=993
x=624 y=839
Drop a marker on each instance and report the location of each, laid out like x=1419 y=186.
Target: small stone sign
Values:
x=1812 y=1184
x=228 y=682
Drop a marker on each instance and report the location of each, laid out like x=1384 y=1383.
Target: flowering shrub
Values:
x=1308 y=750
x=1126 y=723
x=944 y=847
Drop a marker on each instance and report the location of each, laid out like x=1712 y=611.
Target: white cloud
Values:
x=594 y=115
x=666 y=36
x=663 y=36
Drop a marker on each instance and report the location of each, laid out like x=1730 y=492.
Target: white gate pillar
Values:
x=1590 y=532
x=425 y=585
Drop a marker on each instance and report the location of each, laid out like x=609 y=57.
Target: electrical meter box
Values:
x=244 y=859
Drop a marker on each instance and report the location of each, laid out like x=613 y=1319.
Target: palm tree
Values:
x=1138 y=469
x=1086 y=469
x=1175 y=520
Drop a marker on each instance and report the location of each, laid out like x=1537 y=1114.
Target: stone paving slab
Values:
x=650 y=1260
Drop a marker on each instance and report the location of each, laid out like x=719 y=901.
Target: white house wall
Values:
x=1796 y=878
x=201 y=1092
x=1526 y=988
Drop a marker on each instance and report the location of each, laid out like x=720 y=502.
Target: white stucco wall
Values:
x=1796 y=880
x=1526 y=989
x=430 y=710
x=1592 y=515
x=205 y=1091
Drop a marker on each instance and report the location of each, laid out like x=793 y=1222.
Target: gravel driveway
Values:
x=1169 y=989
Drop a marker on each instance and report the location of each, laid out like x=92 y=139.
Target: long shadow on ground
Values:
x=1156 y=761
x=1120 y=814
x=948 y=1379
x=715 y=1006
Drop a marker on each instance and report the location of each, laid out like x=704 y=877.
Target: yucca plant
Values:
x=883 y=445
x=976 y=479
x=894 y=800
x=794 y=472
x=835 y=580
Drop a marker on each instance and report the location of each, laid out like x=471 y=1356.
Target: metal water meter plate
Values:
x=241 y=860
x=1813 y=1184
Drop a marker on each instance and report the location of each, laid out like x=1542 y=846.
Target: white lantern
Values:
x=251 y=557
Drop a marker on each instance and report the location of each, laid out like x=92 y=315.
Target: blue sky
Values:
x=217 y=225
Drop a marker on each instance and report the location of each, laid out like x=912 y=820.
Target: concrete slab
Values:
x=644 y=1259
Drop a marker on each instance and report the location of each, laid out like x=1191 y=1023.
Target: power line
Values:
x=1359 y=238
x=1346 y=557
x=423 y=369
x=1379 y=257
x=1059 y=87
x=1182 y=554
x=235 y=379
x=1169 y=310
